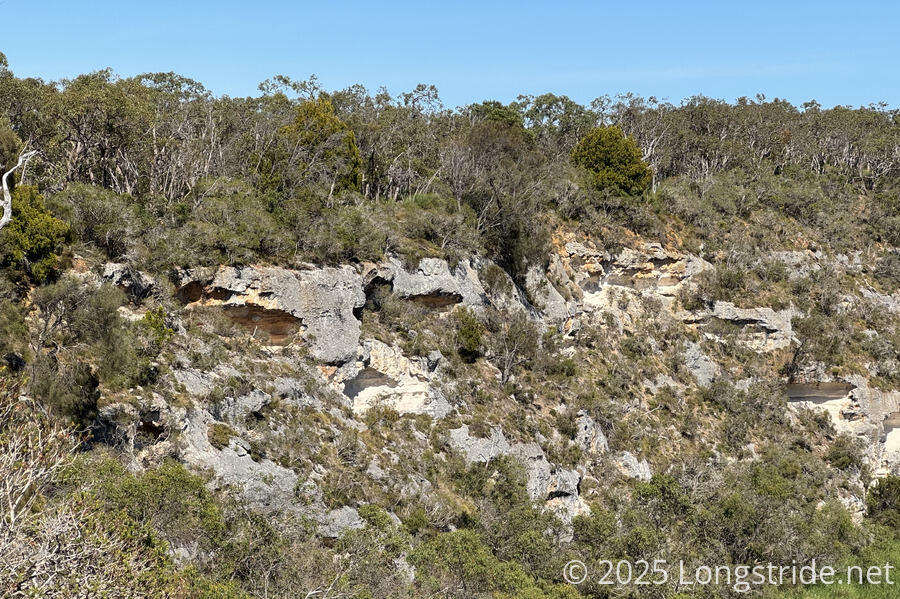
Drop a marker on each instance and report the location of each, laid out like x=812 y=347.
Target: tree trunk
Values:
x=7 y=197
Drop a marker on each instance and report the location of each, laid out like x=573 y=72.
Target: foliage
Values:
x=614 y=161
x=457 y=564
x=10 y=145
x=883 y=502
x=156 y=172
x=100 y=217
x=469 y=331
x=220 y=434
x=33 y=241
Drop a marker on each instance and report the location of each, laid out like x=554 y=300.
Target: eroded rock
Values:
x=135 y=283
x=631 y=467
x=320 y=303
x=386 y=377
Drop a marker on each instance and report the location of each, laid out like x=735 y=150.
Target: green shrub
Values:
x=614 y=161
x=469 y=334
x=458 y=564
x=883 y=502
x=845 y=453
x=100 y=217
x=34 y=239
x=220 y=434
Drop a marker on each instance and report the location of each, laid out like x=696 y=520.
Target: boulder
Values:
x=588 y=435
x=545 y=297
x=475 y=449
x=339 y=520
x=135 y=283
x=700 y=365
x=629 y=466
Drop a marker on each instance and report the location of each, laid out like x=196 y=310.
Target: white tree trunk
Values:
x=7 y=198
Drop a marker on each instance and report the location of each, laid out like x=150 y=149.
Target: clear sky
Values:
x=834 y=52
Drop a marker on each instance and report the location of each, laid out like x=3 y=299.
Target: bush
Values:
x=101 y=217
x=33 y=241
x=883 y=502
x=613 y=160
x=449 y=227
x=458 y=564
x=220 y=435
x=469 y=331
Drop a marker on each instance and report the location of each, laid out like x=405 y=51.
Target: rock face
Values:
x=588 y=435
x=581 y=286
x=859 y=410
x=386 y=377
x=433 y=282
x=319 y=303
x=547 y=299
x=699 y=365
x=264 y=484
x=556 y=487
x=338 y=520
x=477 y=449
x=632 y=468
x=135 y=283
x=766 y=329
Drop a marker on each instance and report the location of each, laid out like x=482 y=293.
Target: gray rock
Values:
x=135 y=283
x=632 y=468
x=117 y=425
x=265 y=485
x=548 y=301
x=475 y=449
x=538 y=470
x=434 y=360
x=544 y=482
x=773 y=328
x=434 y=283
x=700 y=366
x=588 y=435
x=337 y=521
x=577 y=249
x=387 y=377
x=195 y=382
x=293 y=390
x=237 y=409
x=318 y=301
x=890 y=302
x=564 y=483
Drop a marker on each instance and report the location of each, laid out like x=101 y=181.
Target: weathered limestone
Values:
x=766 y=329
x=135 y=283
x=264 y=484
x=386 y=377
x=589 y=436
x=434 y=283
x=557 y=488
x=700 y=365
x=632 y=468
x=320 y=302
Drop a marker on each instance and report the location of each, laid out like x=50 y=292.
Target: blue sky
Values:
x=836 y=53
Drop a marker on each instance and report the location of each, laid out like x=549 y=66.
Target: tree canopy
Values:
x=613 y=159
